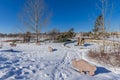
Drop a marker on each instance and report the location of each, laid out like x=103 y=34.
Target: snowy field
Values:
x=35 y=62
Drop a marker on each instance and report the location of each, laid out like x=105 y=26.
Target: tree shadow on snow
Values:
x=101 y=70
x=86 y=44
x=3 y=59
x=10 y=50
x=12 y=72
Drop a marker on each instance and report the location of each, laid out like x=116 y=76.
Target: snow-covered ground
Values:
x=114 y=39
x=35 y=62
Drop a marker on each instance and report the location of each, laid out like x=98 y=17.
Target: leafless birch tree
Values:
x=35 y=14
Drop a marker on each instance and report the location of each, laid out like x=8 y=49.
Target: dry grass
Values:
x=112 y=58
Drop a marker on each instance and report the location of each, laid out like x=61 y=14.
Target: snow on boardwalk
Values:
x=35 y=62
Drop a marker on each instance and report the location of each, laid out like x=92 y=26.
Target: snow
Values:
x=114 y=39
x=35 y=62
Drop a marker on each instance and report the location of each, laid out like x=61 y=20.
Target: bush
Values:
x=63 y=37
x=111 y=58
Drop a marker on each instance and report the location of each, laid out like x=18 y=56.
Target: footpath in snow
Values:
x=35 y=62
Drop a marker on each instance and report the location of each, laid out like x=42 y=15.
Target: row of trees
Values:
x=11 y=35
x=35 y=15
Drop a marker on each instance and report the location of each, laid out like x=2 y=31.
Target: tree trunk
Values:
x=37 y=35
x=36 y=25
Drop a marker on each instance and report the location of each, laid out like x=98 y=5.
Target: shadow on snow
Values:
x=11 y=50
x=101 y=70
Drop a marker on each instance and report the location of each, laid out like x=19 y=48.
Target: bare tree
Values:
x=105 y=7
x=34 y=16
x=54 y=33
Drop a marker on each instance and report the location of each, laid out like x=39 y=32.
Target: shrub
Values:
x=66 y=36
x=62 y=38
x=111 y=58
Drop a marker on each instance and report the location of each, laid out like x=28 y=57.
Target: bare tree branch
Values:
x=35 y=15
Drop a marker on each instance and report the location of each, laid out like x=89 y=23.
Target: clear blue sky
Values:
x=79 y=14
